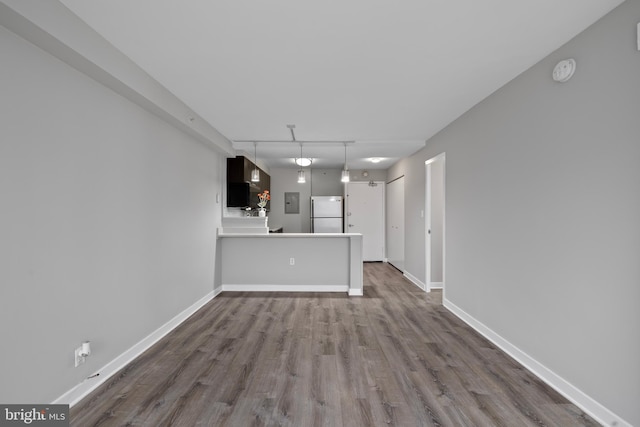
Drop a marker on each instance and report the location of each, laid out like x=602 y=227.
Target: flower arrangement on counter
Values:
x=264 y=198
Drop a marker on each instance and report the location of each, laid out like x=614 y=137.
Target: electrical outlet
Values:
x=292 y=261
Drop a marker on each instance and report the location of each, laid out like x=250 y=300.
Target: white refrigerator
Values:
x=326 y=214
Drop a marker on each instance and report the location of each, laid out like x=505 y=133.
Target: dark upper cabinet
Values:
x=241 y=192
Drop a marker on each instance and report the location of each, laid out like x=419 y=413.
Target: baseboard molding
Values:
x=217 y=291
x=569 y=391
x=284 y=288
x=437 y=285
x=356 y=292
x=77 y=393
x=413 y=279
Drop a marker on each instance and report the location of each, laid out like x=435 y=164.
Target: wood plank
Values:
x=392 y=357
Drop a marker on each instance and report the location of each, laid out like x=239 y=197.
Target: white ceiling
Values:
x=385 y=74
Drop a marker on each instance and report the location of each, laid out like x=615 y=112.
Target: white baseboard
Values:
x=284 y=288
x=356 y=292
x=216 y=291
x=77 y=393
x=413 y=279
x=569 y=391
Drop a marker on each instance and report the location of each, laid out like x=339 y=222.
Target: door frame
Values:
x=427 y=220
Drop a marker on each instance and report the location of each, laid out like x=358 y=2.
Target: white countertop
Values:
x=290 y=235
x=244 y=221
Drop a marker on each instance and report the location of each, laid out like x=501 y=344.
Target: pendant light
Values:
x=345 y=171
x=255 y=173
x=301 y=178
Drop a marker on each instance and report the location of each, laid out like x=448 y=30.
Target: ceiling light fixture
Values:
x=345 y=171
x=301 y=178
x=304 y=162
x=255 y=173
x=375 y=160
x=300 y=161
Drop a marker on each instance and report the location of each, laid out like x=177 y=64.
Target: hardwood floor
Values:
x=392 y=357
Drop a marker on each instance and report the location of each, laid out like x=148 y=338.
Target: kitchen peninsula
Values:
x=290 y=262
x=251 y=259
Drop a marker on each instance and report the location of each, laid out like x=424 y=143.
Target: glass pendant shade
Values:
x=301 y=178
x=345 y=171
x=255 y=173
x=345 y=176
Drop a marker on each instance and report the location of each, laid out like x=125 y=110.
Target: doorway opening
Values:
x=435 y=223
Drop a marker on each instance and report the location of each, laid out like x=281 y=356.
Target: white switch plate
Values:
x=292 y=261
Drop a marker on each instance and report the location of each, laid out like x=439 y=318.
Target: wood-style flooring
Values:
x=394 y=357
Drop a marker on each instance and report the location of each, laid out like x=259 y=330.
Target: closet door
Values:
x=395 y=223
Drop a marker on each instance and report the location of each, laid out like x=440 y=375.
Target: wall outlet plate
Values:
x=79 y=360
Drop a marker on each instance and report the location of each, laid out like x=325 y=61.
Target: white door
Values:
x=395 y=223
x=434 y=222
x=365 y=215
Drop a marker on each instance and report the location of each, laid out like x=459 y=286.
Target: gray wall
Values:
x=286 y=180
x=437 y=201
x=319 y=261
x=107 y=227
x=326 y=182
x=542 y=208
x=372 y=175
x=320 y=182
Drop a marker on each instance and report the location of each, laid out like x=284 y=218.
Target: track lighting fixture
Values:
x=301 y=178
x=255 y=173
x=345 y=171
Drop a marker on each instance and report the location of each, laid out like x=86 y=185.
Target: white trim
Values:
x=597 y=411
x=356 y=292
x=356 y=266
x=413 y=279
x=284 y=288
x=81 y=390
x=437 y=285
x=427 y=224
x=427 y=221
